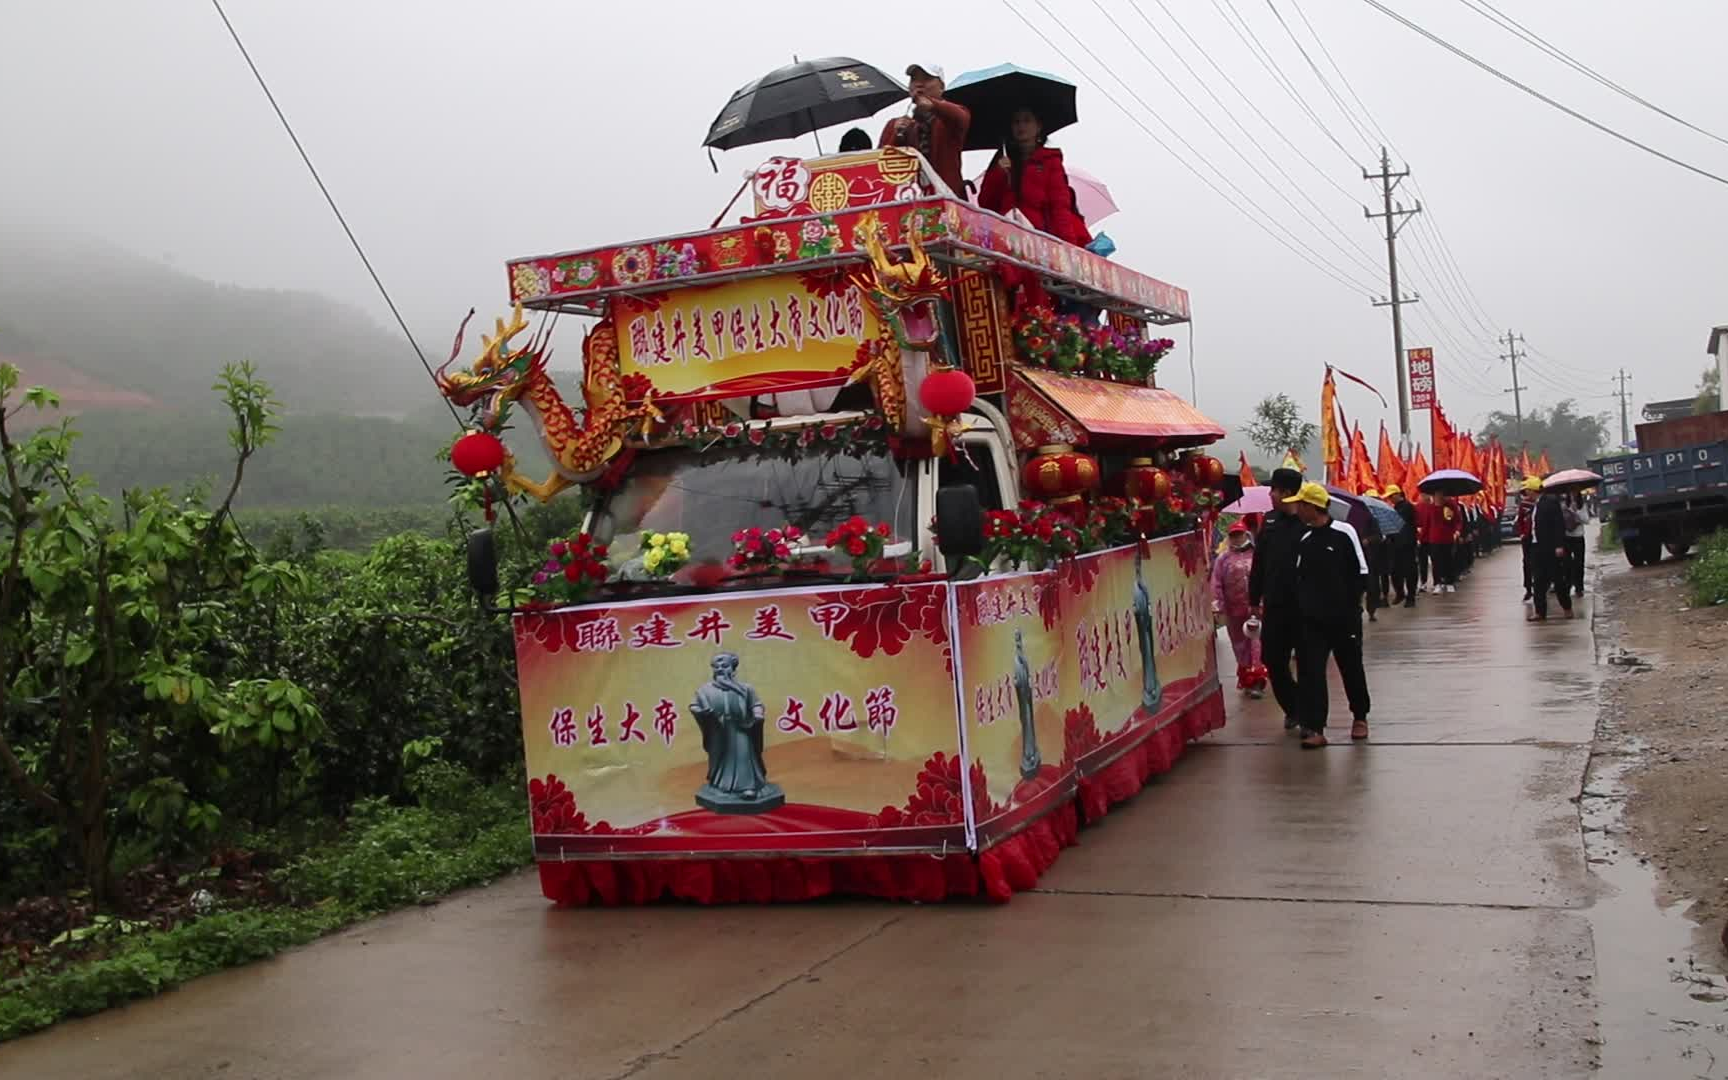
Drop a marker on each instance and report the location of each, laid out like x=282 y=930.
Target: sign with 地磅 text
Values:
x=1422 y=393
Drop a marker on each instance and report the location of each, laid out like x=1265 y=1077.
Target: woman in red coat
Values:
x=1030 y=178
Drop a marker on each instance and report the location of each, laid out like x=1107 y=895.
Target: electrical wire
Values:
x=1518 y=29
x=1318 y=262
x=1247 y=36
x=1540 y=96
x=331 y=199
x=1357 y=253
x=1325 y=83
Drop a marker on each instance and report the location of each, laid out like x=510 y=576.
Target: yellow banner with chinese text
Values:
x=758 y=336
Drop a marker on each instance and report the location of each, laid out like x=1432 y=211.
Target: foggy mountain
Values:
x=89 y=319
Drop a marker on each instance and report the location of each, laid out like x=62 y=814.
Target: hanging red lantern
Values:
x=477 y=453
x=1059 y=471
x=1145 y=482
x=1206 y=472
x=947 y=392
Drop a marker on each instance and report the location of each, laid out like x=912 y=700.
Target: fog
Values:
x=456 y=135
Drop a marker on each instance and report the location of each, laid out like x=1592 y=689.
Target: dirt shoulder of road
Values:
x=1666 y=703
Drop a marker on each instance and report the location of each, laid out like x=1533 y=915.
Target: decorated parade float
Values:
x=883 y=589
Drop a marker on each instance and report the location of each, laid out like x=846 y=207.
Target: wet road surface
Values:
x=1414 y=907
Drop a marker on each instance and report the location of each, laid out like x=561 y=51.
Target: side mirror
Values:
x=483 y=564
x=959 y=522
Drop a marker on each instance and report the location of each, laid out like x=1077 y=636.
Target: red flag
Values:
x=1391 y=468
x=1331 y=449
x=1247 y=472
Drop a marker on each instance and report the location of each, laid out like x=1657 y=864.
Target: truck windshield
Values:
x=712 y=494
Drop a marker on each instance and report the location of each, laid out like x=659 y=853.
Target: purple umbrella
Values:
x=1355 y=512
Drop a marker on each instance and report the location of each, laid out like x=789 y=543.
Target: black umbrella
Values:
x=993 y=94
x=800 y=98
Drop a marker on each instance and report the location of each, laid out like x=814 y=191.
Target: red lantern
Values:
x=1145 y=482
x=947 y=392
x=1206 y=472
x=476 y=453
x=1058 y=472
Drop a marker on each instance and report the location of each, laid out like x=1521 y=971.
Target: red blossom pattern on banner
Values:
x=825 y=283
x=885 y=619
x=1080 y=734
x=553 y=808
x=1079 y=575
x=1049 y=600
x=1190 y=553
x=939 y=798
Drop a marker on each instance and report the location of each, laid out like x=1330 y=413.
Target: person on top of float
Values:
x=1029 y=177
x=937 y=127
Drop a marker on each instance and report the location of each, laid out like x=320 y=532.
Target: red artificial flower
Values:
x=732 y=430
x=773 y=536
x=758 y=435
x=793 y=532
x=857 y=523
x=753 y=533
x=738 y=537
x=884 y=530
x=600 y=552
x=572 y=572
x=558 y=549
x=855 y=546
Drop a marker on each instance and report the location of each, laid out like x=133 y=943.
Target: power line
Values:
x=1358 y=254
x=1540 y=96
x=1325 y=83
x=1247 y=36
x=1518 y=29
x=1302 y=251
x=331 y=199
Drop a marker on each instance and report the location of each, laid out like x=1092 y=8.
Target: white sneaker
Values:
x=1451 y=588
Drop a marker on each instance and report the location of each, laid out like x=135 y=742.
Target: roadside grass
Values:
x=1608 y=539
x=387 y=856
x=1707 y=574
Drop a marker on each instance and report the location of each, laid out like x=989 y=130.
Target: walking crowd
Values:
x=1291 y=589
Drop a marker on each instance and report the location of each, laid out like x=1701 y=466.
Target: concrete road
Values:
x=1413 y=907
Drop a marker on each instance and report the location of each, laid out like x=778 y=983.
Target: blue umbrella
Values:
x=1385 y=515
x=993 y=93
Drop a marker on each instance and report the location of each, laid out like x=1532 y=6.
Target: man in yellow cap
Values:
x=1529 y=490
x=1331 y=574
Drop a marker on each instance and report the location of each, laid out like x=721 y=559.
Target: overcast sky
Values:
x=456 y=134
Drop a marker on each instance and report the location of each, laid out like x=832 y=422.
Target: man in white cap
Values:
x=937 y=127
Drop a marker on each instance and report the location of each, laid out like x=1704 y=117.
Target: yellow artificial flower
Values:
x=680 y=547
x=651 y=561
x=657 y=540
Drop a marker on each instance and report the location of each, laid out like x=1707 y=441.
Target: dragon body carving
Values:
x=580 y=446
x=892 y=288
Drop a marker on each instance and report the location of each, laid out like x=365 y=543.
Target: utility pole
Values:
x=1624 y=396
x=1396 y=217
x=1512 y=342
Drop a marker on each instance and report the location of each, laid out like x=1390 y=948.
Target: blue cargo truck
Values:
x=1664 y=497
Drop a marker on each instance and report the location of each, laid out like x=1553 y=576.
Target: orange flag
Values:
x=1246 y=473
x=1542 y=466
x=1390 y=469
x=1526 y=467
x=1331 y=449
x=1362 y=477
x=1443 y=437
x=1416 y=473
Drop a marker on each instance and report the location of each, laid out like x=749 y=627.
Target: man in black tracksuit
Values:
x=1272 y=592
x=1330 y=576
x=1550 y=556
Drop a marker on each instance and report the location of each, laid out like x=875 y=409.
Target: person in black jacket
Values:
x=1403 y=546
x=1331 y=574
x=1272 y=592
x=1551 y=556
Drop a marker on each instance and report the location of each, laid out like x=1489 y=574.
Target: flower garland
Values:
x=864 y=438
x=1065 y=344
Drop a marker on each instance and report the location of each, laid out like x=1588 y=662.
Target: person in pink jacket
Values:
x=1230 y=600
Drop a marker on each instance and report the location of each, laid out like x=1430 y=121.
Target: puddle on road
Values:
x=1662 y=1013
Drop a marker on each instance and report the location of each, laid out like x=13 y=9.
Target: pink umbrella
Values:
x=1254 y=500
x=1091 y=196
